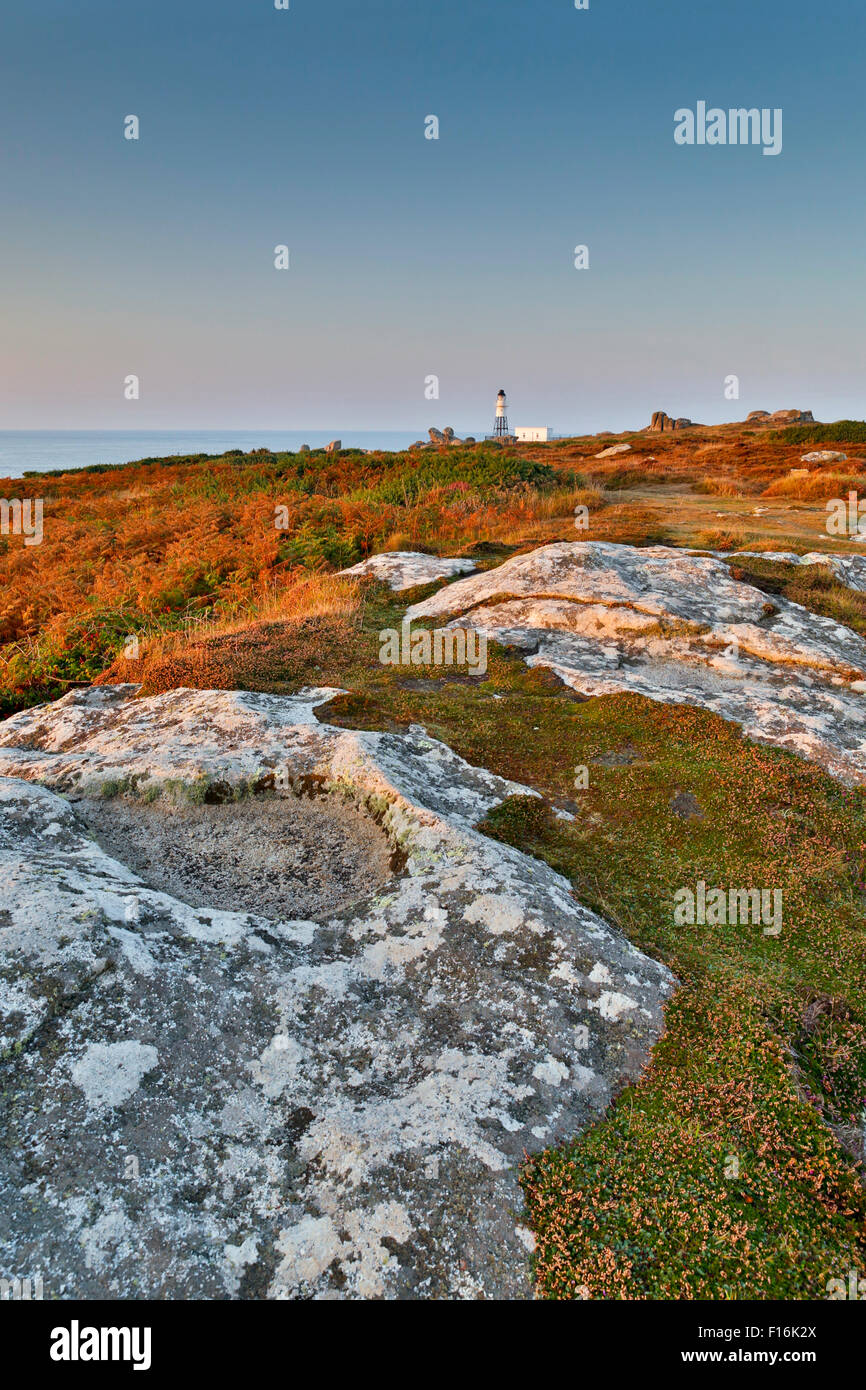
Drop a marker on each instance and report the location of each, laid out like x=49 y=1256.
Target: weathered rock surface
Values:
x=325 y=857
x=405 y=569
x=823 y=456
x=792 y=417
x=676 y=627
x=202 y=1103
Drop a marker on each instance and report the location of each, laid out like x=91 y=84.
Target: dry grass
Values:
x=399 y=540
x=535 y=517
x=510 y=526
x=273 y=657
x=723 y=538
x=629 y=523
x=305 y=596
x=277 y=640
x=817 y=487
x=562 y=502
x=718 y=487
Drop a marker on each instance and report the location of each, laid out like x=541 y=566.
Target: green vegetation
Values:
x=842 y=432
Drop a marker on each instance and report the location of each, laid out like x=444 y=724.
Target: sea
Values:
x=42 y=451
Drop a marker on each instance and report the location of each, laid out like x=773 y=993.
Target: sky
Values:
x=413 y=258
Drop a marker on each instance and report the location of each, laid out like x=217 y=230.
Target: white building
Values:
x=533 y=434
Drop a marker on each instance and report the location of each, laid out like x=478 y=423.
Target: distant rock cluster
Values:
x=441 y=438
x=661 y=423
x=780 y=417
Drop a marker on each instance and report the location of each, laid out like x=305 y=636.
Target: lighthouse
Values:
x=500 y=423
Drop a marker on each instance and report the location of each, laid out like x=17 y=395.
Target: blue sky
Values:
x=412 y=257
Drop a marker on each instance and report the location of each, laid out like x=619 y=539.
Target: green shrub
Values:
x=842 y=432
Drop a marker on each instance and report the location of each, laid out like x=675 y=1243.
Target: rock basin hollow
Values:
x=276 y=857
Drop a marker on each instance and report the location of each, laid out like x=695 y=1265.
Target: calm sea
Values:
x=42 y=450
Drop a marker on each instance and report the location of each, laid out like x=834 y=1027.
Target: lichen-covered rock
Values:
x=676 y=626
x=614 y=450
x=201 y=1103
x=406 y=569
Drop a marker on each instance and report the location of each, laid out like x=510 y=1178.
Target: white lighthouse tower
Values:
x=500 y=423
